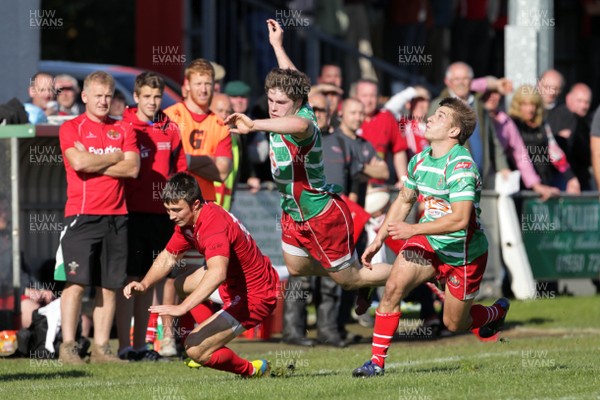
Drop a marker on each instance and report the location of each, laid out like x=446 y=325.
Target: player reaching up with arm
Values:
x=316 y=224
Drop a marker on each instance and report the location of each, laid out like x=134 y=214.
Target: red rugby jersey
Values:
x=161 y=155
x=218 y=233
x=91 y=193
x=382 y=131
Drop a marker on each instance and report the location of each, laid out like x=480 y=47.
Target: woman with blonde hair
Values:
x=549 y=161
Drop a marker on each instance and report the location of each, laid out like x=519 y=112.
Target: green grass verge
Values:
x=550 y=352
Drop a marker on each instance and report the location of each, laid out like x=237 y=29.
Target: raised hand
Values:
x=243 y=124
x=275 y=33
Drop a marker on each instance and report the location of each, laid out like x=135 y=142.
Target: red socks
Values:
x=201 y=312
x=483 y=315
x=386 y=325
x=224 y=359
x=151 y=329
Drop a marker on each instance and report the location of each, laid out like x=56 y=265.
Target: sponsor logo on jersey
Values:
x=463 y=165
x=163 y=145
x=106 y=150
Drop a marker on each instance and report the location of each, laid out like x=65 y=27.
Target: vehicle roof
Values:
x=121 y=74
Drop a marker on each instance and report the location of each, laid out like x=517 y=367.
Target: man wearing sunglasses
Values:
x=67 y=92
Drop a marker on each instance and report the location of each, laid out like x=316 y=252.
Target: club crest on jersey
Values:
x=114 y=135
x=463 y=165
x=454 y=281
x=440 y=182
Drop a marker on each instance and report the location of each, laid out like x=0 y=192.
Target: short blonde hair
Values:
x=100 y=77
x=527 y=94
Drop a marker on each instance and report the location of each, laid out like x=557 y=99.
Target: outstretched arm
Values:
x=276 y=40
x=163 y=264
x=455 y=221
x=294 y=125
x=216 y=273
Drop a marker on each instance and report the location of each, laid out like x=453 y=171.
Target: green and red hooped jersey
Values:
x=444 y=180
x=298 y=171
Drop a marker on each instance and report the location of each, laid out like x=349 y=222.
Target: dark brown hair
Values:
x=295 y=84
x=150 y=79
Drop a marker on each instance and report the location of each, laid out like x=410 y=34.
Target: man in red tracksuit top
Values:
x=161 y=156
x=98 y=152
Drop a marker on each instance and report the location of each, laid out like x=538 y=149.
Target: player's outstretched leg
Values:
x=404 y=276
x=495 y=316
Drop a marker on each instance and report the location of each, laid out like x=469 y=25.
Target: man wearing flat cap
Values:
x=255 y=146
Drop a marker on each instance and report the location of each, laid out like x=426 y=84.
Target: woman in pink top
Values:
x=510 y=138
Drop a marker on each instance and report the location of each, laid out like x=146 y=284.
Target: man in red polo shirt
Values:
x=242 y=277
x=381 y=129
x=161 y=155
x=98 y=152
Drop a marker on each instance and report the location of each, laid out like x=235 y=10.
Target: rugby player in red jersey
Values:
x=242 y=277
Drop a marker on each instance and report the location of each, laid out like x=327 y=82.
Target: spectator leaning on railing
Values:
x=510 y=138
x=549 y=161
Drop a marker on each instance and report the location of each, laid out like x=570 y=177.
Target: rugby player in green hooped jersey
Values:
x=317 y=228
x=447 y=243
